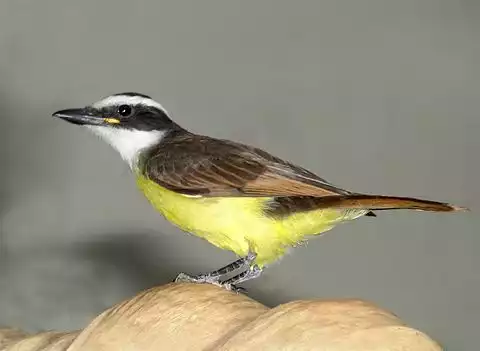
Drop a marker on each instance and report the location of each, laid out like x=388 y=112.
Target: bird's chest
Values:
x=225 y=222
x=238 y=224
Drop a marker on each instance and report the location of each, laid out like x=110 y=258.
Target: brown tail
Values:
x=379 y=202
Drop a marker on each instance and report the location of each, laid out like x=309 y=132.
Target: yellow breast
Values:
x=238 y=224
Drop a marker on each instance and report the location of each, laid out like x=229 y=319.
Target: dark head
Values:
x=125 y=110
x=130 y=122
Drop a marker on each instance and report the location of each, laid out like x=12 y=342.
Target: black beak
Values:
x=79 y=116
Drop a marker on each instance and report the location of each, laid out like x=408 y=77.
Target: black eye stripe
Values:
x=137 y=117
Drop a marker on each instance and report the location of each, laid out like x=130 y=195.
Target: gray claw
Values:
x=234 y=288
x=185 y=278
x=206 y=279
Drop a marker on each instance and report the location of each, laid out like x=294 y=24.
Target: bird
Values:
x=236 y=196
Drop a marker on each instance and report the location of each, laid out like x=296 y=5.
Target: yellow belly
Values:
x=238 y=223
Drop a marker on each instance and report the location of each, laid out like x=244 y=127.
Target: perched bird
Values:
x=237 y=197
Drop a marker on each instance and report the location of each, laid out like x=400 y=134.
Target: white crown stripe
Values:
x=117 y=100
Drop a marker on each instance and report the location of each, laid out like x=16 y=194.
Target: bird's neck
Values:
x=130 y=143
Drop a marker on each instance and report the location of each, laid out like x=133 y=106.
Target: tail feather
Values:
x=380 y=202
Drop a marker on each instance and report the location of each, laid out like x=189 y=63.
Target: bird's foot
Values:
x=251 y=273
x=216 y=276
x=207 y=279
x=201 y=278
x=234 y=288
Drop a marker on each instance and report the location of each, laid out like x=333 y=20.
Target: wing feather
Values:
x=194 y=164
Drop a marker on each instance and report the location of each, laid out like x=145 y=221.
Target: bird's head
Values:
x=130 y=122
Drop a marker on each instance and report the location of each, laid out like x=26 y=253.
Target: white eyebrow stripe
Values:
x=115 y=100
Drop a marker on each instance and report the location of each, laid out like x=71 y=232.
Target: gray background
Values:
x=376 y=96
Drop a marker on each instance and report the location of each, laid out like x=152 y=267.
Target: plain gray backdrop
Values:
x=375 y=96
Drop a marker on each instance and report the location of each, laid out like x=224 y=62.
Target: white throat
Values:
x=129 y=143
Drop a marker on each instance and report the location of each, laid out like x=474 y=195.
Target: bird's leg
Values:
x=251 y=273
x=214 y=277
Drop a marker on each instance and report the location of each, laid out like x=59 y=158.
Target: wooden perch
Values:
x=205 y=317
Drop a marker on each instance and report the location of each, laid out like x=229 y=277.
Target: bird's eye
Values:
x=125 y=110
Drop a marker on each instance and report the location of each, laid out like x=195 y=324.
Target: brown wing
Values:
x=198 y=165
